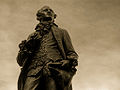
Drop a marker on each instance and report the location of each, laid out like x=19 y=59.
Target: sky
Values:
x=94 y=29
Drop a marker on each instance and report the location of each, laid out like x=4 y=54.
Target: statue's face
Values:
x=45 y=15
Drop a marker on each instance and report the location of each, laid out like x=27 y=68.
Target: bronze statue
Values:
x=47 y=57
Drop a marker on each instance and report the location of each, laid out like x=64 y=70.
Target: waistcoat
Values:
x=48 y=50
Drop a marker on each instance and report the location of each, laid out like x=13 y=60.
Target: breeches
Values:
x=40 y=83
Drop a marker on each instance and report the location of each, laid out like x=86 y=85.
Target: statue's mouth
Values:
x=47 y=19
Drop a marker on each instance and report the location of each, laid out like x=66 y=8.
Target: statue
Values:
x=47 y=57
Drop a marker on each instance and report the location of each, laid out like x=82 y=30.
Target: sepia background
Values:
x=94 y=27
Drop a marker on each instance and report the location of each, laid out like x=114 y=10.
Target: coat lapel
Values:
x=58 y=37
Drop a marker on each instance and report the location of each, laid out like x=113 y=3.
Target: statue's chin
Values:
x=46 y=20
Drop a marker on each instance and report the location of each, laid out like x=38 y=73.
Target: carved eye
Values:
x=45 y=10
x=50 y=10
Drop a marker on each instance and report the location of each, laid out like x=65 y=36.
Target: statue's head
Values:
x=45 y=15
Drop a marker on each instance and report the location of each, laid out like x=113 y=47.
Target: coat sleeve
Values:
x=22 y=54
x=69 y=50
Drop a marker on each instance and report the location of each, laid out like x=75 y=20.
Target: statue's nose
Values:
x=49 y=13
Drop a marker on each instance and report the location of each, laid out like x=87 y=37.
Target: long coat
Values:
x=66 y=49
